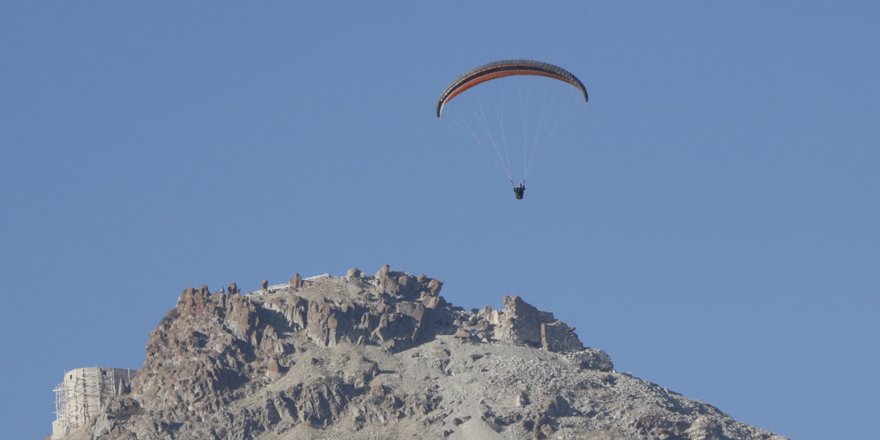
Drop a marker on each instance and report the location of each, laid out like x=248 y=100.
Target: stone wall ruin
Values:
x=83 y=394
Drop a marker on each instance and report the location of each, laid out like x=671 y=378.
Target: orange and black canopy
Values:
x=501 y=69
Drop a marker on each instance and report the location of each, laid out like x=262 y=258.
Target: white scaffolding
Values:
x=83 y=394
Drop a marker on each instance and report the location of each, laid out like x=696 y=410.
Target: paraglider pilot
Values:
x=519 y=191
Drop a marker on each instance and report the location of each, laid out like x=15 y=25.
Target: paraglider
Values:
x=519 y=191
x=538 y=118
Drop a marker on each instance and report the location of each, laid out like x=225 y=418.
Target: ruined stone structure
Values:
x=84 y=393
x=521 y=323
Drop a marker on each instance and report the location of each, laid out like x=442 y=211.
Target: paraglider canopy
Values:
x=501 y=69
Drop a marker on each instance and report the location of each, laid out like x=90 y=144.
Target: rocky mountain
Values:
x=384 y=356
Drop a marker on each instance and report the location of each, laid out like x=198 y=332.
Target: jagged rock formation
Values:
x=385 y=356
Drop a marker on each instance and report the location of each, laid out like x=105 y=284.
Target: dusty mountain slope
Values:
x=385 y=356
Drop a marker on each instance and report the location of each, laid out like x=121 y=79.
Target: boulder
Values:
x=591 y=359
x=434 y=286
x=383 y=272
x=296 y=281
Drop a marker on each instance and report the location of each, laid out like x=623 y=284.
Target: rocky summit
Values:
x=384 y=356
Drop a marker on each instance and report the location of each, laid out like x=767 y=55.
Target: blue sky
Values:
x=711 y=218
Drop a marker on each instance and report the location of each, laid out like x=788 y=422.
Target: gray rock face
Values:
x=384 y=356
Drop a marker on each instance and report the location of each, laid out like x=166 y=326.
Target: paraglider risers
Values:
x=519 y=191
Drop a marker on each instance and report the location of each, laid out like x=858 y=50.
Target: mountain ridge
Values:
x=383 y=356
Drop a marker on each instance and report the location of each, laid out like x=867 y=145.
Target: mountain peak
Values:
x=382 y=356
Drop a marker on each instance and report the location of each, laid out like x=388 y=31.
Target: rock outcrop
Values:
x=384 y=356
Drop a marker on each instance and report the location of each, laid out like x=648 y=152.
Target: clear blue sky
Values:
x=711 y=218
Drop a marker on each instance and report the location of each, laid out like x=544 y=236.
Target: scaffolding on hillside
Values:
x=83 y=393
